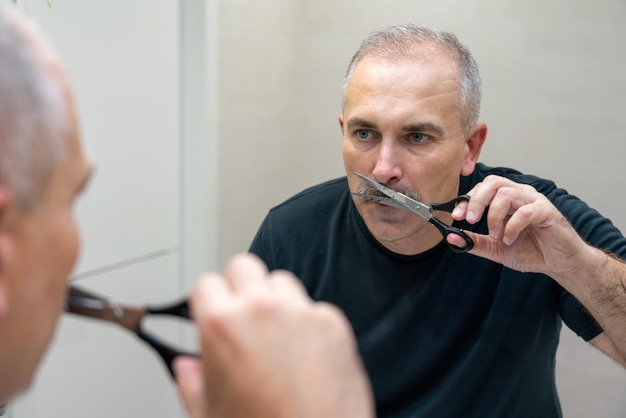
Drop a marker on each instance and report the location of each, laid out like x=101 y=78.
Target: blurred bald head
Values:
x=34 y=108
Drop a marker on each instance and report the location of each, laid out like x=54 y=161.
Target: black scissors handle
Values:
x=81 y=302
x=180 y=309
x=447 y=229
x=449 y=206
x=167 y=353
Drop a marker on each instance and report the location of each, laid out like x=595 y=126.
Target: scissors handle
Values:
x=449 y=206
x=167 y=353
x=180 y=309
x=447 y=229
x=81 y=302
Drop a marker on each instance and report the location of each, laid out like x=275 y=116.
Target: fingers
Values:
x=512 y=207
x=288 y=289
x=246 y=273
x=213 y=292
x=221 y=304
x=190 y=385
x=262 y=337
x=217 y=302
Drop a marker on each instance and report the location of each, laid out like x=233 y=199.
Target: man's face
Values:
x=42 y=246
x=401 y=126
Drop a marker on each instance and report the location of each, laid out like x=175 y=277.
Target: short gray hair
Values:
x=34 y=117
x=407 y=42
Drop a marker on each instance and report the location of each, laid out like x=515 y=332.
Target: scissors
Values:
x=84 y=303
x=401 y=201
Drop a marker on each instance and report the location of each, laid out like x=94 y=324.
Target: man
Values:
x=43 y=168
x=445 y=334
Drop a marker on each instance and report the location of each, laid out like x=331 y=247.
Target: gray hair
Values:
x=34 y=118
x=409 y=42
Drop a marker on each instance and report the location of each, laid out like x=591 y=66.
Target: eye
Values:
x=363 y=134
x=418 y=138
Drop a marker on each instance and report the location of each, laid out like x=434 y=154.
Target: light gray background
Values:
x=203 y=114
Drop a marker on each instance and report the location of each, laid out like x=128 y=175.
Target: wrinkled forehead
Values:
x=405 y=91
x=53 y=64
x=423 y=77
x=421 y=57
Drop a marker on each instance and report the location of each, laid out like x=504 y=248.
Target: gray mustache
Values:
x=371 y=191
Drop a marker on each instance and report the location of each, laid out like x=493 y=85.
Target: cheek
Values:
x=346 y=149
x=73 y=242
x=348 y=157
x=66 y=248
x=357 y=159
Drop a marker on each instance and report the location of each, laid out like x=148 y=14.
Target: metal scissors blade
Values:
x=402 y=201
x=81 y=302
x=395 y=199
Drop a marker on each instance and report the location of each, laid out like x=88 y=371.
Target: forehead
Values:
x=427 y=86
x=75 y=168
x=429 y=74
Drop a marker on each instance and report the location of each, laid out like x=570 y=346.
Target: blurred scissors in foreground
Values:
x=81 y=302
x=401 y=201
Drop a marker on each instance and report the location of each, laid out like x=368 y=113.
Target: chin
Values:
x=386 y=234
x=22 y=376
x=388 y=225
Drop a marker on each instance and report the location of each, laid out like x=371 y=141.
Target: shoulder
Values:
x=590 y=224
x=297 y=230
x=567 y=203
x=311 y=208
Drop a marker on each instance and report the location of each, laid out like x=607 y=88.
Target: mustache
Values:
x=371 y=191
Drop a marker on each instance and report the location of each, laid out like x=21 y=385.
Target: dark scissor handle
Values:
x=180 y=309
x=167 y=353
x=447 y=229
x=81 y=302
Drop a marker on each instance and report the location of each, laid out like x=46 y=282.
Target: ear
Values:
x=341 y=122
x=5 y=200
x=473 y=145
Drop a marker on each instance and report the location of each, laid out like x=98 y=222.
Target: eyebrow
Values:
x=424 y=127
x=413 y=127
x=359 y=122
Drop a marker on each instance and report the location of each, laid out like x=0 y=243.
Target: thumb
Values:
x=484 y=246
x=190 y=384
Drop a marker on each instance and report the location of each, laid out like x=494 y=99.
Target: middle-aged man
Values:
x=242 y=318
x=445 y=334
x=43 y=168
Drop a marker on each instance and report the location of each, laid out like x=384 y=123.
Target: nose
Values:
x=387 y=168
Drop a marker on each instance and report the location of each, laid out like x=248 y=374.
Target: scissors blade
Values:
x=83 y=303
x=395 y=199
